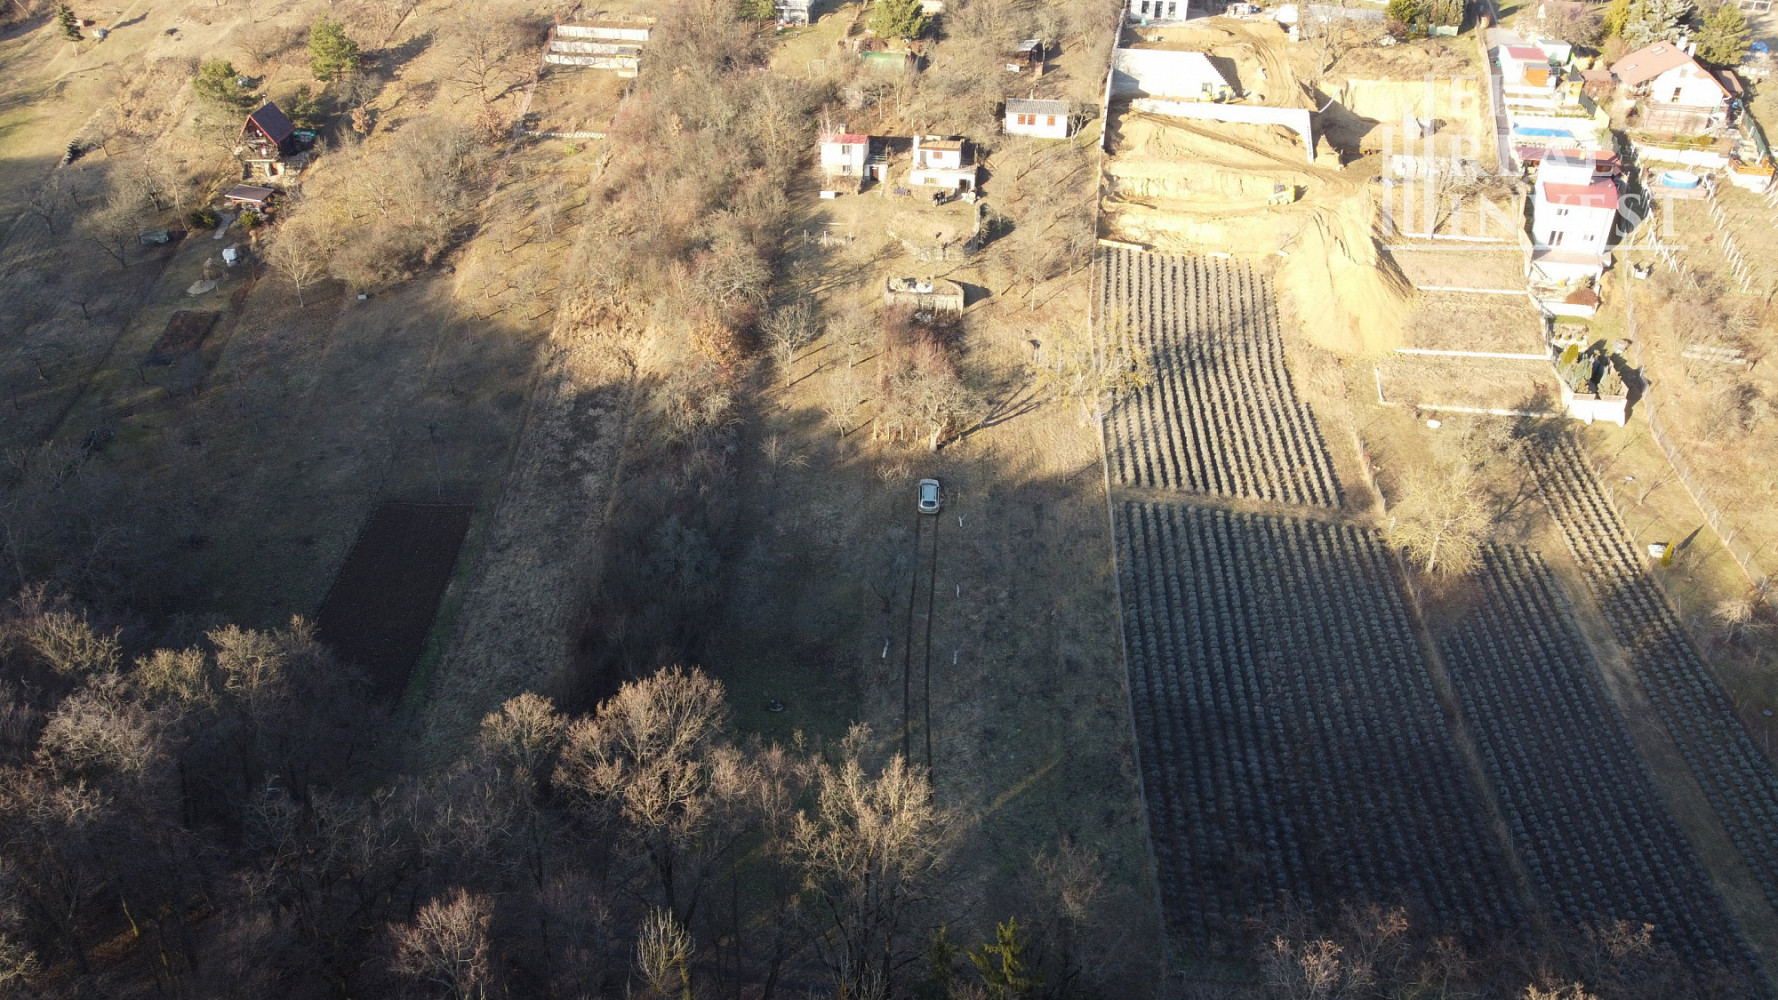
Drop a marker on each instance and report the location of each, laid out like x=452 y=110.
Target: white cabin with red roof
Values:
x=845 y=154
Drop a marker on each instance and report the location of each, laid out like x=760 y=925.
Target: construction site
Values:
x=1220 y=138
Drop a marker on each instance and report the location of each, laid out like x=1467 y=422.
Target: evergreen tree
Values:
x=756 y=10
x=1002 y=964
x=70 y=24
x=219 y=87
x=332 y=52
x=897 y=19
x=1652 y=21
x=1616 y=16
x=1723 y=37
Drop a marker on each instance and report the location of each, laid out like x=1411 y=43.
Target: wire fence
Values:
x=1727 y=532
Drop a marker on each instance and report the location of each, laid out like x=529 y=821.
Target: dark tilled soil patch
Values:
x=185 y=332
x=382 y=603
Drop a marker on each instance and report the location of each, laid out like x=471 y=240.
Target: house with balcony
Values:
x=1574 y=212
x=1672 y=93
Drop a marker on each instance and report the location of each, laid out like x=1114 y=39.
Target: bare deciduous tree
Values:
x=869 y=848
x=1442 y=519
x=523 y=736
x=484 y=44
x=653 y=761
x=663 y=955
x=1074 y=370
x=790 y=329
x=446 y=946
x=301 y=250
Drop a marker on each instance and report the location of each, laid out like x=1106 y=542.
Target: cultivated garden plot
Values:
x=1585 y=817
x=1461 y=265
x=1289 y=736
x=1220 y=415
x=1482 y=383
x=1730 y=768
x=382 y=604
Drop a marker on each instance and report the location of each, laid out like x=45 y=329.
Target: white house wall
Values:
x=1158 y=73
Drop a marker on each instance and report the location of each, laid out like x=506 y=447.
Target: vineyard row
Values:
x=1585 y=817
x=1290 y=740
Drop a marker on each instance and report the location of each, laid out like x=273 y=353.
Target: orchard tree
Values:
x=332 y=53
x=1442 y=520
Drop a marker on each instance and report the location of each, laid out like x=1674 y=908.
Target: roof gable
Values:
x=272 y=121
x=1028 y=106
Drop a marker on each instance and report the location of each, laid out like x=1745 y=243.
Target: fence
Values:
x=1727 y=533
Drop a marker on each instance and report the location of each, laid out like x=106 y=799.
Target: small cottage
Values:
x=269 y=133
x=1525 y=66
x=270 y=145
x=1158 y=11
x=851 y=155
x=1027 y=58
x=943 y=161
x=1043 y=119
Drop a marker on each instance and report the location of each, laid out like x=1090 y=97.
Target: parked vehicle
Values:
x=929 y=496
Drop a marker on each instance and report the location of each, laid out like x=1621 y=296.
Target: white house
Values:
x=1187 y=76
x=943 y=161
x=1573 y=212
x=1677 y=95
x=1043 y=119
x=1153 y=11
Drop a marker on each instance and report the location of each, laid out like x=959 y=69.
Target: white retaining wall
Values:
x=1296 y=119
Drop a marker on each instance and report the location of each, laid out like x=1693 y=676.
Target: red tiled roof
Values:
x=1648 y=62
x=1599 y=194
x=849 y=138
x=1526 y=53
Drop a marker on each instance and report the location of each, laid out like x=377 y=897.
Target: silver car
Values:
x=929 y=503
